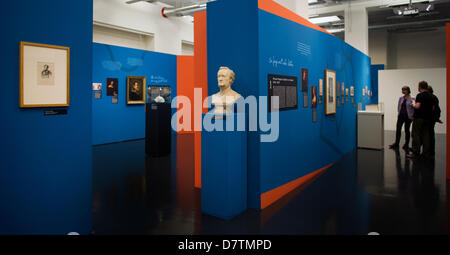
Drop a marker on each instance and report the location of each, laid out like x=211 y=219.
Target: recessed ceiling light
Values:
x=322 y=20
x=335 y=30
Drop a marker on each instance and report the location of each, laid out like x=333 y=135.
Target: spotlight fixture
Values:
x=413 y=9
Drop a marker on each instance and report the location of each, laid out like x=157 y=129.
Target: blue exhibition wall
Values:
x=237 y=50
x=305 y=146
x=46 y=161
x=259 y=37
x=374 y=77
x=121 y=122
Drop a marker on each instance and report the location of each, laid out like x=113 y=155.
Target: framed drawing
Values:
x=136 y=90
x=44 y=75
x=112 y=87
x=330 y=92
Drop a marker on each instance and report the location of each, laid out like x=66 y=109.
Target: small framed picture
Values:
x=96 y=86
x=320 y=91
x=98 y=94
x=314 y=96
x=136 y=90
x=304 y=80
x=44 y=75
x=112 y=87
x=114 y=99
x=330 y=92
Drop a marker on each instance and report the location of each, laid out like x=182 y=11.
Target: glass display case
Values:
x=159 y=94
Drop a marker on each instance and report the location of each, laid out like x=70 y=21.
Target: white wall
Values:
x=122 y=38
x=389 y=90
x=378 y=45
x=187 y=49
x=145 y=18
x=298 y=6
x=357 y=28
x=408 y=50
x=417 y=50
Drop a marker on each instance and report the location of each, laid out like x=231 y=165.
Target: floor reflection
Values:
x=366 y=191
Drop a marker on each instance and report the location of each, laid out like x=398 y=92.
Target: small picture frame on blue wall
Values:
x=304 y=73
x=98 y=94
x=320 y=91
x=114 y=99
x=136 y=90
x=330 y=92
x=112 y=87
x=314 y=97
x=44 y=75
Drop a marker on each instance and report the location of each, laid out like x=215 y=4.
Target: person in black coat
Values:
x=436 y=118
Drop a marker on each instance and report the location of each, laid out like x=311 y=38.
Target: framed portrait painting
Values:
x=136 y=90
x=330 y=92
x=44 y=75
x=112 y=87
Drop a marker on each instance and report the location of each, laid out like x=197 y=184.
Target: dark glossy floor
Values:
x=366 y=191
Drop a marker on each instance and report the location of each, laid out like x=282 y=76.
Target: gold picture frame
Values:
x=44 y=75
x=136 y=89
x=330 y=92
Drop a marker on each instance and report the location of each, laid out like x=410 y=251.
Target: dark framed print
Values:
x=136 y=90
x=285 y=88
x=314 y=96
x=304 y=80
x=112 y=87
x=44 y=75
x=330 y=92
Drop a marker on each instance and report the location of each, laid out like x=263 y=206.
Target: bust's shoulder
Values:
x=235 y=94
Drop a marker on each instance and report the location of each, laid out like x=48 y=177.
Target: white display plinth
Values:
x=371 y=130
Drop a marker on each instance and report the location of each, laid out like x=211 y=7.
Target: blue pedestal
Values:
x=224 y=172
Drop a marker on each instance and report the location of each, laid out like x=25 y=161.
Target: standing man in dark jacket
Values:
x=436 y=118
x=423 y=117
x=405 y=116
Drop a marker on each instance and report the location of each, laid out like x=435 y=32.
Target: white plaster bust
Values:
x=224 y=100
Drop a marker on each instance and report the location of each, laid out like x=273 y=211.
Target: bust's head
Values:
x=225 y=77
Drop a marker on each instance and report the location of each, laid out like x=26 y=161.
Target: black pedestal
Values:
x=158 y=129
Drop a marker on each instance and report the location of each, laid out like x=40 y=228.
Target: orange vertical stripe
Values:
x=272 y=196
x=185 y=83
x=201 y=81
x=277 y=9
